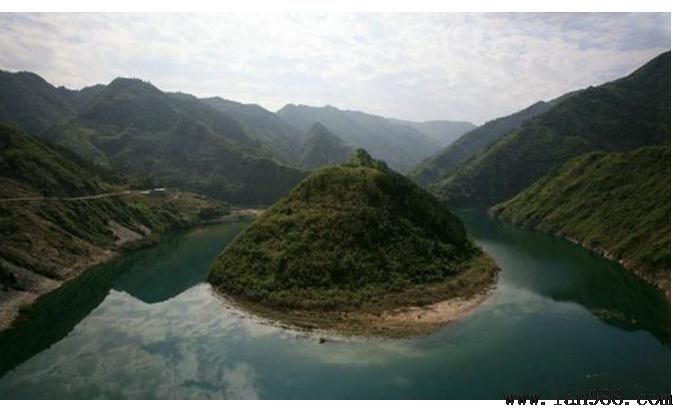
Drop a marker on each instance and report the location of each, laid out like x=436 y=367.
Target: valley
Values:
x=555 y=307
x=159 y=244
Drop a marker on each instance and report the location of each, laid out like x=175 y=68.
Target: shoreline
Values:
x=398 y=323
x=13 y=302
x=661 y=285
x=13 y=305
x=372 y=321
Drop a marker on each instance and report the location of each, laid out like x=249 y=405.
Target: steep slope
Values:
x=444 y=132
x=353 y=236
x=174 y=140
x=621 y=115
x=31 y=103
x=33 y=168
x=54 y=225
x=401 y=146
x=263 y=126
x=322 y=148
x=617 y=204
x=471 y=143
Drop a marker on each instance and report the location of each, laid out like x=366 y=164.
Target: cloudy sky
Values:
x=412 y=66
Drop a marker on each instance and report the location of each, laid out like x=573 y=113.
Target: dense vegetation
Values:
x=28 y=101
x=242 y=153
x=322 y=148
x=174 y=140
x=348 y=235
x=401 y=146
x=265 y=127
x=46 y=170
x=618 y=116
x=48 y=240
x=453 y=156
x=615 y=203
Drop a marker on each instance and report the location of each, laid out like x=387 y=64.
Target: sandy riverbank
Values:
x=376 y=320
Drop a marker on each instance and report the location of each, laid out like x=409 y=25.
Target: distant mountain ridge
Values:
x=625 y=114
x=132 y=127
x=469 y=144
x=264 y=126
x=210 y=145
x=322 y=147
x=401 y=146
x=443 y=131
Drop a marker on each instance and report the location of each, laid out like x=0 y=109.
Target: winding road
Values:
x=87 y=197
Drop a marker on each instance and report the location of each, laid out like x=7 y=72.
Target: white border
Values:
x=316 y=6
x=338 y=5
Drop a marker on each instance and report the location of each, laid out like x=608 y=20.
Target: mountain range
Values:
x=625 y=114
x=237 y=152
x=400 y=145
x=131 y=132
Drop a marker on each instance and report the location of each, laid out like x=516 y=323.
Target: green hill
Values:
x=617 y=204
x=322 y=148
x=48 y=237
x=469 y=144
x=38 y=169
x=31 y=103
x=174 y=140
x=621 y=115
x=401 y=146
x=353 y=236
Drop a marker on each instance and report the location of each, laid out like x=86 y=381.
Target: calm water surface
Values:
x=147 y=326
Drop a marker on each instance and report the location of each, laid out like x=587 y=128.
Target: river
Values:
x=560 y=321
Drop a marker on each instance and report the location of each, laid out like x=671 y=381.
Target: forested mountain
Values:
x=322 y=147
x=617 y=204
x=471 y=143
x=132 y=127
x=349 y=236
x=401 y=146
x=78 y=99
x=54 y=224
x=444 y=132
x=263 y=126
x=624 y=114
x=30 y=102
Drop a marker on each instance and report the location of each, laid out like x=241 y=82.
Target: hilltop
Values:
x=352 y=238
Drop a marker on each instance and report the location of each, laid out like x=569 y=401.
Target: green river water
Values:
x=147 y=326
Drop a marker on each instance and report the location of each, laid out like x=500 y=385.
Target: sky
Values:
x=421 y=66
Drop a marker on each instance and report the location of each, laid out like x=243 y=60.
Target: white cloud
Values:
x=412 y=66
